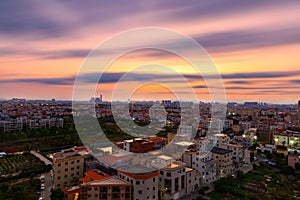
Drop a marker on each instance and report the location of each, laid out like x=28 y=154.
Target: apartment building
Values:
x=237 y=152
x=203 y=162
x=192 y=180
x=244 y=140
x=68 y=167
x=143 y=179
x=224 y=161
x=11 y=125
x=175 y=180
x=221 y=139
x=141 y=145
x=98 y=185
x=265 y=134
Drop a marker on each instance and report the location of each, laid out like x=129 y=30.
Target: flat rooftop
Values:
x=218 y=150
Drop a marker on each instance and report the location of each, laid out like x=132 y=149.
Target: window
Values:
x=116 y=189
x=103 y=190
x=77 y=161
x=77 y=167
x=162 y=172
x=66 y=176
x=153 y=179
x=73 y=162
x=58 y=178
x=168 y=174
x=72 y=168
x=58 y=164
x=66 y=163
x=140 y=191
x=66 y=169
x=137 y=182
x=127 y=189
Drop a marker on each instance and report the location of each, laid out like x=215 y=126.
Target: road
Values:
x=48 y=178
x=41 y=157
x=48 y=185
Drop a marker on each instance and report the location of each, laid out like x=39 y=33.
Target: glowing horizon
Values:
x=255 y=46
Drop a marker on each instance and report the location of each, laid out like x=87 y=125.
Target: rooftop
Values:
x=218 y=150
x=138 y=171
x=94 y=175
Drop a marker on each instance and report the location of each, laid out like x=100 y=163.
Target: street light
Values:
x=292 y=142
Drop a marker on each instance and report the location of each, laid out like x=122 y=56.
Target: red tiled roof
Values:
x=135 y=176
x=71 y=191
x=157 y=139
x=80 y=148
x=94 y=176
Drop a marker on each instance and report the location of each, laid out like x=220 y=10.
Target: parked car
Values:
x=42 y=186
x=42 y=178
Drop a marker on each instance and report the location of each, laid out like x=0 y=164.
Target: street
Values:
x=48 y=185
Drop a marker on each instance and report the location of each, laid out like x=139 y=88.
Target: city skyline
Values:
x=253 y=44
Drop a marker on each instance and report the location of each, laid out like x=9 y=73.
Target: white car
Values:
x=42 y=186
x=41 y=198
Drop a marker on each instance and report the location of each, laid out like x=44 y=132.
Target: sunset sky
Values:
x=254 y=44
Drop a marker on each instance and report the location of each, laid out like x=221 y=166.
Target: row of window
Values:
x=66 y=169
x=66 y=163
x=66 y=176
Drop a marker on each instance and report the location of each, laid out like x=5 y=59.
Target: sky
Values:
x=254 y=45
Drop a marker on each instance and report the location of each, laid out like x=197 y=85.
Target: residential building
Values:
x=224 y=161
x=244 y=140
x=173 y=180
x=264 y=134
x=143 y=179
x=140 y=145
x=68 y=166
x=237 y=152
x=203 y=162
x=98 y=185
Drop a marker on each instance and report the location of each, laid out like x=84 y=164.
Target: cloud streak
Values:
x=110 y=77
